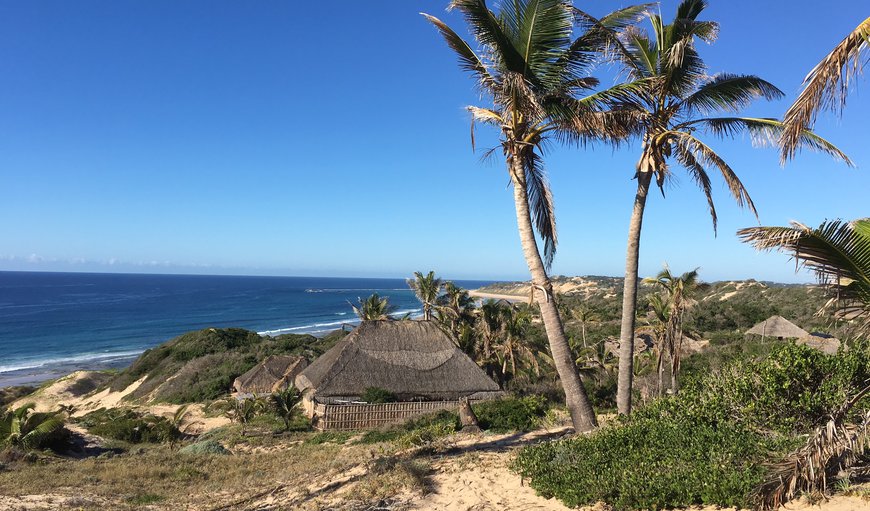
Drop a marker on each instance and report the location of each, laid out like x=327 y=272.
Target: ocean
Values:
x=54 y=323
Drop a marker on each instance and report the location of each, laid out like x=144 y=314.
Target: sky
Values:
x=330 y=139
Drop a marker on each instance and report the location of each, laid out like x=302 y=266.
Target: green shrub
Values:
x=375 y=395
x=650 y=464
x=511 y=414
x=204 y=447
x=129 y=426
x=791 y=391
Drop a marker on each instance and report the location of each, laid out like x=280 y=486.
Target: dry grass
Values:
x=166 y=479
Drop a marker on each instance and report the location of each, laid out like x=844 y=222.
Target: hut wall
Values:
x=367 y=416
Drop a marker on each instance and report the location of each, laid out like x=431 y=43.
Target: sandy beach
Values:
x=475 y=293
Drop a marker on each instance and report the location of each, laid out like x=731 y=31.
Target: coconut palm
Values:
x=373 y=308
x=673 y=105
x=838 y=251
x=665 y=317
x=826 y=86
x=584 y=314
x=531 y=69
x=514 y=346
x=427 y=288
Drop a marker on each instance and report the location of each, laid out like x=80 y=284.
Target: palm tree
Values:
x=426 y=287
x=669 y=309
x=673 y=103
x=373 y=308
x=531 y=69
x=513 y=345
x=826 y=86
x=584 y=314
x=838 y=251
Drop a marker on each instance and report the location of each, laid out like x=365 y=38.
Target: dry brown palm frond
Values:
x=826 y=86
x=831 y=448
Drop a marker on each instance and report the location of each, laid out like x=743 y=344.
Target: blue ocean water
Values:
x=54 y=323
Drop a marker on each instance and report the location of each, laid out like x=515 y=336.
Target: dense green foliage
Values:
x=706 y=445
x=129 y=426
x=26 y=428
x=202 y=365
x=374 y=395
x=650 y=464
x=511 y=414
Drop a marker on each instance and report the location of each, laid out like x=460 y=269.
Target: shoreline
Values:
x=475 y=293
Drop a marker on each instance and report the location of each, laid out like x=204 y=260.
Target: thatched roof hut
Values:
x=413 y=360
x=777 y=326
x=273 y=374
x=827 y=344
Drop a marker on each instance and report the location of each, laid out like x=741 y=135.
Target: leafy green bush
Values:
x=375 y=395
x=129 y=426
x=204 y=447
x=650 y=464
x=511 y=414
x=29 y=429
x=792 y=390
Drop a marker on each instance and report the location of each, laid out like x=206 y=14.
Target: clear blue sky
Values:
x=329 y=138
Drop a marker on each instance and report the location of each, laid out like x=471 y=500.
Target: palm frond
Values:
x=825 y=87
x=708 y=158
x=838 y=251
x=831 y=448
x=602 y=36
x=545 y=28
x=489 y=31
x=468 y=59
x=765 y=133
x=700 y=177
x=541 y=205
x=730 y=92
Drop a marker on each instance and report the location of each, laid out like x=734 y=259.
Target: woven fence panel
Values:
x=369 y=416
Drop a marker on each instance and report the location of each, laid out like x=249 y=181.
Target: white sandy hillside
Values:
x=77 y=390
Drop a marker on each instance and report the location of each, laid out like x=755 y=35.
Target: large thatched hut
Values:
x=413 y=360
x=779 y=327
x=273 y=374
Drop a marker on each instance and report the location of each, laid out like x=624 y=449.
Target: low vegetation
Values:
x=710 y=444
x=201 y=366
x=130 y=426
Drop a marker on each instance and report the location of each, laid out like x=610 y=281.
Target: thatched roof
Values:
x=411 y=359
x=271 y=375
x=777 y=326
x=827 y=344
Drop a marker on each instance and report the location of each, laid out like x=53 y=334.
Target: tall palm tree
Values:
x=454 y=309
x=679 y=292
x=532 y=70
x=826 y=86
x=838 y=251
x=373 y=308
x=427 y=288
x=675 y=99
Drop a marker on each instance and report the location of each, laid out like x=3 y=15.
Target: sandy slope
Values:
x=75 y=390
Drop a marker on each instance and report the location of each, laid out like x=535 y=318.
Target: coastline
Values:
x=475 y=293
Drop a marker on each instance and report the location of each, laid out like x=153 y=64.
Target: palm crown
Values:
x=674 y=97
x=532 y=69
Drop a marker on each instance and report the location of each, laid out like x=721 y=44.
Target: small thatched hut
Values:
x=777 y=326
x=827 y=344
x=413 y=360
x=273 y=374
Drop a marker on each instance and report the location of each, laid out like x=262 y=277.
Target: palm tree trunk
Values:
x=582 y=414
x=629 y=297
